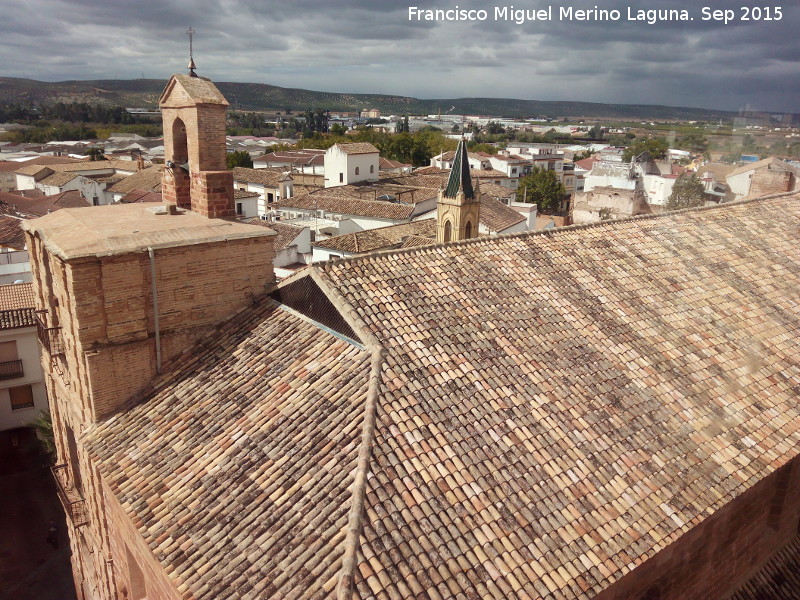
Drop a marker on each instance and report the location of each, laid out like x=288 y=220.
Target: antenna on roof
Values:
x=190 y=32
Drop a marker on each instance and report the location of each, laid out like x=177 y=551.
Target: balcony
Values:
x=11 y=369
x=49 y=337
x=71 y=499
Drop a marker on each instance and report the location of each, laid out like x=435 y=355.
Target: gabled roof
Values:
x=381 y=238
x=189 y=91
x=287 y=233
x=358 y=148
x=534 y=415
x=265 y=177
x=148 y=179
x=771 y=162
x=41 y=205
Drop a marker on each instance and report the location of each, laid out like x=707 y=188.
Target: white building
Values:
x=22 y=391
x=351 y=163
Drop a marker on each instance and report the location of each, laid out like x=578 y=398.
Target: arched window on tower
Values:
x=180 y=147
x=468 y=231
x=448 y=231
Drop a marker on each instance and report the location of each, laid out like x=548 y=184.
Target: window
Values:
x=21 y=397
x=270 y=198
x=341 y=177
x=448 y=231
x=239 y=209
x=468 y=230
x=514 y=170
x=357 y=171
x=372 y=168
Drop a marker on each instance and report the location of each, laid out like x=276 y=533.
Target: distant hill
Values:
x=143 y=93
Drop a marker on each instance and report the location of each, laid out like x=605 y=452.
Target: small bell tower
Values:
x=458 y=207
x=197 y=177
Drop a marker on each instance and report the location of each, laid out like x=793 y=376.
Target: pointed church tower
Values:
x=458 y=207
x=197 y=177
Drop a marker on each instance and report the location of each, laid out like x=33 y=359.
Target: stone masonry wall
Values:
x=715 y=557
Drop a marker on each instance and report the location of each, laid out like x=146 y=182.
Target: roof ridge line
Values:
x=559 y=230
x=359 y=489
x=354 y=522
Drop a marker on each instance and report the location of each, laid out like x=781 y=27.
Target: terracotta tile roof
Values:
x=43 y=205
x=497 y=191
x=58 y=179
x=241 y=194
x=587 y=164
x=414 y=241
x=381 y=238
x=488 y=174
x=253 y=479
x=496 y=216
x=148 y=179
x=386 y=163
x=295 y=157
x=141 y=196
x=779 y=579
x=545 y=394
x=286 y=233
x=545 y=411
x=358 y=148
x=265 y=177
x=9 y=166
x=15 y=318
x=17 y=295
x=36 y=171
x=348 y=206
x=11 y=234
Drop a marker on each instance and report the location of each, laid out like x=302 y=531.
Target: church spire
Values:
x=458 y=207
x=460 y=180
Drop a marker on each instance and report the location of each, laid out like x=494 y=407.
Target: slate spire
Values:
x=460 y=179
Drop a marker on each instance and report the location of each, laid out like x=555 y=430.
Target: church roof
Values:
x=534 y=415
x=460 y=180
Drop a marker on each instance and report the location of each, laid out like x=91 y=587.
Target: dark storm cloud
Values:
x=369 y=46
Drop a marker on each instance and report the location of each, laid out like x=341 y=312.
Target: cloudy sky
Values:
x=370 y=46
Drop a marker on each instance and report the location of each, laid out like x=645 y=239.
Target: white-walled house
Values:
x=292 y=246
x=270 y=185
x=22 y=390
x=768 y=176
x=351 y=163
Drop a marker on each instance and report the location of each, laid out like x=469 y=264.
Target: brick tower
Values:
x=458 y=207
x=196 y=177
x=121 y=290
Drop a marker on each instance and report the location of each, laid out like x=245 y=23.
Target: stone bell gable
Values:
x=196 y=177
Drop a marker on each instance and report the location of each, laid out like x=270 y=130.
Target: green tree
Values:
x=686 y=193
x=239 y=158
x=541 y=187
x=655 y=147
x=95 y=154
x=43 y=425
x=338 y=129
x=596 y=132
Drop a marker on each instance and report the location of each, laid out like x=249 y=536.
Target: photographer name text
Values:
x=521 y=16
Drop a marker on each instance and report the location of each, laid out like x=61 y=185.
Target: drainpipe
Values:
x=155 y=307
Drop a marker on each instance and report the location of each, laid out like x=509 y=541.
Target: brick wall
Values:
x=715 y=557
x=769 y=181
